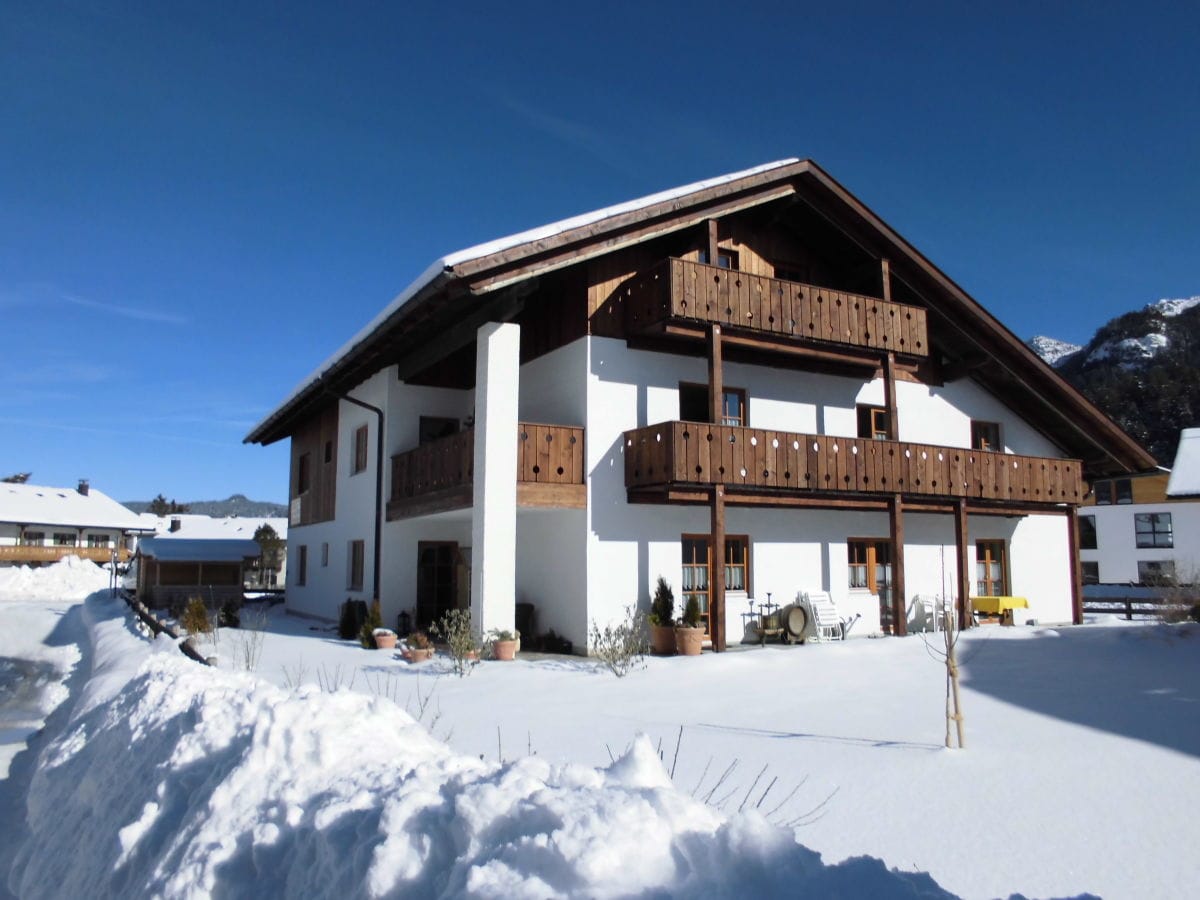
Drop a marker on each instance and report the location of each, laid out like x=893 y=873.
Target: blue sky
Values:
x=199 y=202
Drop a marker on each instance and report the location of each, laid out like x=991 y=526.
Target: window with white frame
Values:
x=1153 y=530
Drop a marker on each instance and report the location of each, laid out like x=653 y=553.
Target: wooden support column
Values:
x=712 y=242
x=889 y=395
x=716 y=377
x=885 y=271
x=963 y=579
x=899 y=604
x=1076 y=569
x=716 y=607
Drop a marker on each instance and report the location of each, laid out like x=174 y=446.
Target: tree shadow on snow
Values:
x=1142 y=683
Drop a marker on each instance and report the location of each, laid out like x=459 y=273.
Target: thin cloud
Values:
x=575 y=134
x=42 y=294
x=123 y=433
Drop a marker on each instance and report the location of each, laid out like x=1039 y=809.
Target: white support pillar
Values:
x=494 y=514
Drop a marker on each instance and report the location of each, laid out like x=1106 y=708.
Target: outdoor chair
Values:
x=828 y=625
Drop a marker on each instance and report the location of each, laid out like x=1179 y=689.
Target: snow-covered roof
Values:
x=541 y=233
x=34 y=504
x=198 y=549
x=192 y=525
x=1185 y=474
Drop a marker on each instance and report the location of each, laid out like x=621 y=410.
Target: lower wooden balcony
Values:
x=680 y=461
x=440 y=475
x=31 y=553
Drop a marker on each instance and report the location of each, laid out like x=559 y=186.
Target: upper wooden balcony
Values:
x=684 y=291
x=754 y=460
x=439 y=476
x=28 y=553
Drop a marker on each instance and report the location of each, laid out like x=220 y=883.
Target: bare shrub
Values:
x=461 y=642
x=621 y=647
x=248 y=638
x=195 y=617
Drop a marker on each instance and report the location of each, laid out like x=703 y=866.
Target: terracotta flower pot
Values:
x=688 y=641
x=385 y=641
x=418 y=654
x=662 y=640
x=504 y=650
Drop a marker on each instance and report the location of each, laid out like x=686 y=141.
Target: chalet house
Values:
x=172 y=571
x=747 y=384
x=265 y=574
x=40 y=524
x=1145 y=528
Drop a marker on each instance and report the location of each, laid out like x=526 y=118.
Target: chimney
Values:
x=175 y=525
x=83 y=486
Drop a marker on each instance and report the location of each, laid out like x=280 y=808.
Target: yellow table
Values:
x=999 y=606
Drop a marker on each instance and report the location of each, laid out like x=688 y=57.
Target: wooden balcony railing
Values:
x=546 y=454
x=683 y=290
x=693 y=453
x=26 y=553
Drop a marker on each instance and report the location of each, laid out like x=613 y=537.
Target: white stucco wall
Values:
x=1116 y=544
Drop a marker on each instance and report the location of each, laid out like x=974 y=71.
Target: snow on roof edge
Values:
x=1185 y=473
x=487 y=248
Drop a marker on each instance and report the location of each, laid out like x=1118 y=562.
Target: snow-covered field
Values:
x=1082 y=772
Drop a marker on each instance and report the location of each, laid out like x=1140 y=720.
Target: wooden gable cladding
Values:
x=678 y=289
x=316 y=504
x=694 y=453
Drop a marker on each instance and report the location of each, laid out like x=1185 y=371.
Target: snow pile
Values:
x=176 y=780
x=71 y=578
x=1051 y=350
x=1174 y=307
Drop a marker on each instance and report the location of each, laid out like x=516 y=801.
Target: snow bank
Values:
x=71 y=578
x=172 y=779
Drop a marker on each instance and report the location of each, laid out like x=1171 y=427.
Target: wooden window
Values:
x=1103 y=492
x=1087 y=532
x=991 y=569
x=1123 y=490
x=1156 y=571
x=1153 y=530
x=872 y=422
x=357 y=555
x=324 y=554
x=33 y=538
x=726 y=258
x=360 y=450
x=869 y=568
x=1090 y=572
x=99 y=540
x=697 y=562
x=1110 y=492
x=433 y=428
x=302 y=565
x=986 y=436
x=64 y=539
x=693 y=404
x=303 y=473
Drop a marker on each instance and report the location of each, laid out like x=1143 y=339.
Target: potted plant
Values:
x=504 y=644
x=418 y=647
x=385 y=639
x=662 y=619
x=689 y=633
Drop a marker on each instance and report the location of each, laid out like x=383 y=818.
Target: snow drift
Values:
x=176 y=780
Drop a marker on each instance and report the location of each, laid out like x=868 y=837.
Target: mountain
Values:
x=1141 y=368
x=237 y=505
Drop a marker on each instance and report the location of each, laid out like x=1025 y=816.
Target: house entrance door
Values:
x=437 y=580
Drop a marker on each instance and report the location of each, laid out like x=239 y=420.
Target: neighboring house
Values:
x=1145 y=528
x=755 y=363
x=41 y=524
x=171 y=571
x=266 y=573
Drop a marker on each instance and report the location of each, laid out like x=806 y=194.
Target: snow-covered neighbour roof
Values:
x=192 y=525
x=198 y=549
x=1185 y=474
x=34 y=504
x=505 y=243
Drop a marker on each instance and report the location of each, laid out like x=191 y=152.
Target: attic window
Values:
x=726 y=258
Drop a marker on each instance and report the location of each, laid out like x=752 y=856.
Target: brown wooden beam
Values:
x=896 y=526
x=1076 y=569
x=716 y=376
x=867 y=361
x=963 y=579
x=716 y=608
x=889 y=395
x=886 y=275
x=712 y=242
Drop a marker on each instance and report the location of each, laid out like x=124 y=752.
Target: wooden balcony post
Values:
x=889 y=395
x=885 y=271
x=899 y=605
x=716 y=609
x=712 y=242
x=716 y=377
x=1076 y=570
x=963 y=579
